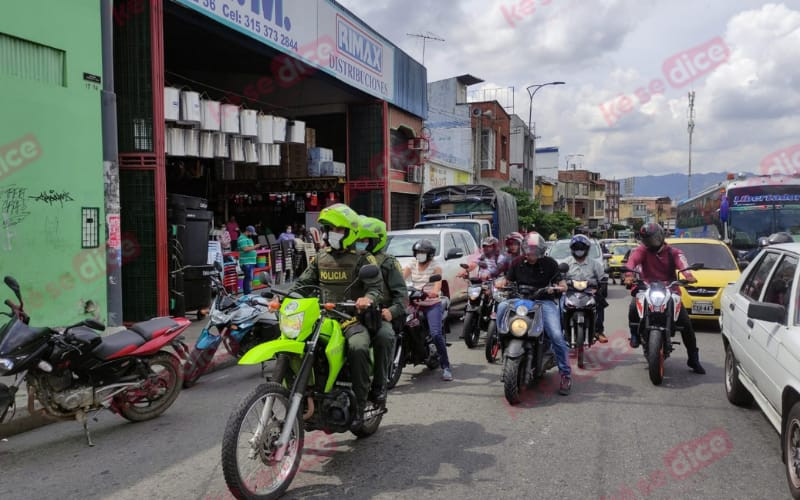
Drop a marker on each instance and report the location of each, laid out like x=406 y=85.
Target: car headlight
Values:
x=474 y=292
x=291 y=324
x=6 y=365
x=518 y=327
x=521 y=310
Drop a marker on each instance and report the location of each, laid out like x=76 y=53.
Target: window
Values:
x=780 y=285
x=754 y=283
x=713 y=256
x=466 y=244
x=449 y=243
x=487 y=149
x=399 y=245
x=598 y=204
x=31 y=61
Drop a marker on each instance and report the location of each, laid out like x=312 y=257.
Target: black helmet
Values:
x=782 y=237
x=652 y=235
x=424 y=246
x=579 y=245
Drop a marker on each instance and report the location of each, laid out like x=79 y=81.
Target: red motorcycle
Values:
x=73 y=371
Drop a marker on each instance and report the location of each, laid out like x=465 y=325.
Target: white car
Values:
x=560 y=251
x=760 y=320
x=453 y=247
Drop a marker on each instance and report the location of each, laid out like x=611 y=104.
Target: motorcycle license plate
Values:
x=702 y=308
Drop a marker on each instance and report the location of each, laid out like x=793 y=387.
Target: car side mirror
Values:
x=368 y=272
x=765 y=311
x=696 y=266
x=743 y=264
x=606 y=256
x=434 y=278
x=454 y=253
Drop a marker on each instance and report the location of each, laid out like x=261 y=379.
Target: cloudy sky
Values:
x=739 y=56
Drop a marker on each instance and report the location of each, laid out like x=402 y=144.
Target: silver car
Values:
x=453 y=247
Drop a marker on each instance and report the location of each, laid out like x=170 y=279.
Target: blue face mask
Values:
x=361 y=245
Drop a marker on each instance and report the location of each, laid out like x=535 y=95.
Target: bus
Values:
x=739 y=211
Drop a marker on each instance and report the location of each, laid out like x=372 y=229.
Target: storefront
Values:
x=269 y=116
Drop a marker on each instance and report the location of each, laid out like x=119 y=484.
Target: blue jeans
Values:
x=551 y=314
x=434 y=316
x=247 y=269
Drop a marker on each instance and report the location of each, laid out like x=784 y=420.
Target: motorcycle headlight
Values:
x=6 y=365
x=518 y=327
x=219 y=318
x=474 y=292
x=580 y=285
x=521 y=311
x=657 y=300
x=291 y=324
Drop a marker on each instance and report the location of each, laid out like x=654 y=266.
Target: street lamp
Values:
x=530 y=114
x=574 y=185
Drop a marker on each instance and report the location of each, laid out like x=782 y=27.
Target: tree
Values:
x=532 y=217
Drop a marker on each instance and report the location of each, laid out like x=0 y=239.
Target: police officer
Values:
x=334 y=270
x=394 y=298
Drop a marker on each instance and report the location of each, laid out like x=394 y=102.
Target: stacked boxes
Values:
x=294 y=163
x=320 y=162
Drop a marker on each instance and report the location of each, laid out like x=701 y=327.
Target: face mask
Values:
x=579 y=253
x=335 y=240
x=422 y=258
x=362 y=245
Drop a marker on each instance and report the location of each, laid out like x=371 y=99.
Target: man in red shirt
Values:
x=657 y=261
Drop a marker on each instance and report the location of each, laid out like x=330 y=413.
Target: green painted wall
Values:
x=51 y=158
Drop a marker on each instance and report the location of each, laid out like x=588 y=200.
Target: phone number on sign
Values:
x=250 y=23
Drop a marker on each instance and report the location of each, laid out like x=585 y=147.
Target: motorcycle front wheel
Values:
x=396 y=366
x=197 y=364
x=512 y=380
x=156 y=393
x=580 y=330
x=249 y=463
x=655 y=357
x=472 y=331
x=492 y=342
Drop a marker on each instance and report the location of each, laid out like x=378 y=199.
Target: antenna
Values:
x=691 y=131
x=425 y=37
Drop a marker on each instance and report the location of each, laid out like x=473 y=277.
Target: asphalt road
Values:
x=616 y=436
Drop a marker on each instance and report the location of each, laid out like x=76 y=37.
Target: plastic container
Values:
x=209 y=115
x=266 y=124
x=250 y=154
x=296 y=132
x=229 y=118
x=279 y=129
x=190 y=107
x=177 y=143
x=206 y=144
x=220 y=145
x=236 y=146
x=191 y=140
x=248 y=123
x=171 y=104
x=263 y=154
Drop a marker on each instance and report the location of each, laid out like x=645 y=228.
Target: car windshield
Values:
x=399 y=245
x=711 y=255
x=560 y=250
x=620 y=249
x=472 y=227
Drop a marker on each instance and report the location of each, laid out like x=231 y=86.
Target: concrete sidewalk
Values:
x=23 y=421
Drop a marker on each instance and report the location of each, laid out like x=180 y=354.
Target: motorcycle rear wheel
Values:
x=655 y=357
x=472 y=331
x=169 y=378
x=241 y=428
x=492 y=342
x=395 y=367
x=512 y=380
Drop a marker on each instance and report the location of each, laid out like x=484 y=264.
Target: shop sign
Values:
x=441 y=176
x=360 y=58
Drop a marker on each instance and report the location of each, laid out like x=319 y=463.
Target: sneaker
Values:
x=566 y=385
x=602 y=338
x=447 y=375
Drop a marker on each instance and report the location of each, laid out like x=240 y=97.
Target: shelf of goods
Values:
x=233 y=283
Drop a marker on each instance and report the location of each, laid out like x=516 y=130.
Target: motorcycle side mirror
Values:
x=13 y=285
x=696 y=266
x=606 y=256
x=464 y=266
x=563 y=267
x=94 y=325
x=434 y=278
x=265 y=278
x=368 y=272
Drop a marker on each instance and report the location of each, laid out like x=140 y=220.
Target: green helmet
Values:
x=340 y=215
x=375 y=230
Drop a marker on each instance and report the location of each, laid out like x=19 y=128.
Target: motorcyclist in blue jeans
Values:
x=539 y=271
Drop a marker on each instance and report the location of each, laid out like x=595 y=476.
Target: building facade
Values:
x=491 y=126
x=521 y=155
x=646 y=209
x=583 y=196
x=612 y=201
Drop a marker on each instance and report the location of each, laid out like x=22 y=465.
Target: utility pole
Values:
x=691 y=131
x=425 y=37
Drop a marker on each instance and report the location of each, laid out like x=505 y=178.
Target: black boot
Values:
x=377 y=395
x=694 y=361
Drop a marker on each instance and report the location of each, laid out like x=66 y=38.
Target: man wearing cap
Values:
x=247 y=256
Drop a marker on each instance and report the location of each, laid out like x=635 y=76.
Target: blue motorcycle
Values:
x=238 y=324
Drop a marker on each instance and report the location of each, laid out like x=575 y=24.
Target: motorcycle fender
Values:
x=334 y=351
x=268 y=350
x=207 y=340
x=515 y=348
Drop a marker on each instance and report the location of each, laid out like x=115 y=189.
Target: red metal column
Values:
x=347 y=195
x=160 y=177
x=387 y=198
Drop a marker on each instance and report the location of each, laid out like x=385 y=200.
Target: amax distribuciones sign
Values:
x=361 y=58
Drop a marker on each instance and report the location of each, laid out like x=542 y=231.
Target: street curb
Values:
x=28 y=422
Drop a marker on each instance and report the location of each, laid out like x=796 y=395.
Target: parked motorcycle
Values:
x=413 y=343
x=526 y=348
x=74 y=371
x=480 y=303
x=240 y=325
x=264 y=434
x=658 y=306
x=580 y=315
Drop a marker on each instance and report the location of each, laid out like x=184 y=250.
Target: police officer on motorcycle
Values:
x=394 y=297
x=659 y=261
x=333 y=270
x=583 y=268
